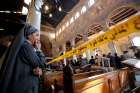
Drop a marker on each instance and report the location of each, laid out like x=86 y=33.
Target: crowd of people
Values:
x=103 y=60
x=108 y=60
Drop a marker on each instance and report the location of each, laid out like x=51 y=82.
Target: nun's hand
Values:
x=37 y=71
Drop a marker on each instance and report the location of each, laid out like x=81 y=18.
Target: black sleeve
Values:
x=31 y=56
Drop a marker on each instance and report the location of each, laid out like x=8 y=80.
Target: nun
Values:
x=22 y=63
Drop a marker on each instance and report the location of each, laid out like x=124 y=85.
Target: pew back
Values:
x=111 y=82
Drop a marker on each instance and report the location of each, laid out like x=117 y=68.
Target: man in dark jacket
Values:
x=91 y=61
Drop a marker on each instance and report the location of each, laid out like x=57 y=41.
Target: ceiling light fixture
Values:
x=67 y=24
x=50 y=15
x=60 y=31
x=5 y=11
x=15 y=12
x=1 y=29
x=1 y=11
x=46 y=7
x=60 y=9
x=10 y=12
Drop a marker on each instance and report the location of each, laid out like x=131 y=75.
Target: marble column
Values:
x=34 y=14
x=73 y=47
x=64 y=51
x=112 y=47
x=85 y=38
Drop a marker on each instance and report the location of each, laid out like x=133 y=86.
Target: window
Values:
x=67 y=24
x=91 y=2
x=60 y=31
x=83 y=10
x=71 y=20
x=77 y=15
x=27 y=2
x=57 y=33
x=63 y=28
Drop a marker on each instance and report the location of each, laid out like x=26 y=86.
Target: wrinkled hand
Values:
x=38 y=45
x=37 y=71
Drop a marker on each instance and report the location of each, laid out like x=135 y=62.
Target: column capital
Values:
x=85 y=37
x=72 y=42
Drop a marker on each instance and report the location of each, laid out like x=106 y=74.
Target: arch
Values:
x=78 y=38
x=120 y=14
x=68 y=45
x=94 y=28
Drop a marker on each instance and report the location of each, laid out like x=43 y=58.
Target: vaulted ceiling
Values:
x=54 y=9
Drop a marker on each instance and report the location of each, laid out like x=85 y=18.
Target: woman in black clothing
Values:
x=22 y=63
x=118 y=61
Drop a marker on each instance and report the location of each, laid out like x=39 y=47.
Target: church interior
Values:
x=90 y=46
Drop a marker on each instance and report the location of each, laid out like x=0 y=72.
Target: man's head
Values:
x=31 y=34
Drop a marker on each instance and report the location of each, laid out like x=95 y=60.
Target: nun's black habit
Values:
x=16 y=74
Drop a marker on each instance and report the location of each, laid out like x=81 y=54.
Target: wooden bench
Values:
x=92 y=82
x=111 y=82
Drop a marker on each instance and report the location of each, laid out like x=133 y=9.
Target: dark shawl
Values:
x=67 y=77
x=15 y=67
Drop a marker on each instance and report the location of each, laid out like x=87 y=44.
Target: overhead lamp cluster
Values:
x=48 y=9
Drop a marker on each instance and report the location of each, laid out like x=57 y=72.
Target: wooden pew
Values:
x=95 y=84
x=53 y=81
x=111 y=82
x=124 y=78
x=90 y=82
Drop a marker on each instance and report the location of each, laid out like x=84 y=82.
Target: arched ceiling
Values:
x=94 y=20
x=57 y=15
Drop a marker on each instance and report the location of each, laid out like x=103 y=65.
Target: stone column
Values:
x=112 y=47
x=85 y=38
x=34 y=14
x=64 y=51
x=73 y=47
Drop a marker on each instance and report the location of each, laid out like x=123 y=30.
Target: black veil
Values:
x=8 y=60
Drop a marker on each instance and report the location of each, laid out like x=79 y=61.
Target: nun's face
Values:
x=33 y=38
